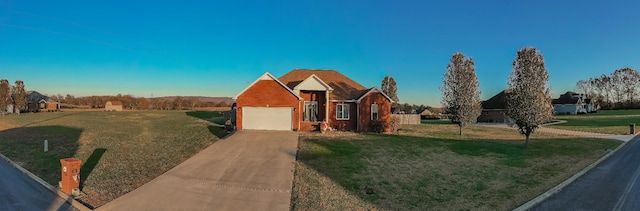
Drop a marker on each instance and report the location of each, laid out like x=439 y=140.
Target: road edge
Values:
x=60 y=194
x=533 y=202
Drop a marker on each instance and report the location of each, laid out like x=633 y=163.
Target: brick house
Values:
x=494 y=109
x=302 y=100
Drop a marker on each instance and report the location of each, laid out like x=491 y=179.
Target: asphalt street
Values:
x=611 y=185
x=19 y=192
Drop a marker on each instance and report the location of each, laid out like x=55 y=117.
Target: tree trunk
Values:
x=460 y=127
x=526 y=141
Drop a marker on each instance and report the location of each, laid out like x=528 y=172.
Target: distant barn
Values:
x=113 y=106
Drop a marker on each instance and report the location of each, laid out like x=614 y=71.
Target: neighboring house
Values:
x=34 y=103
x=495 y=108
x=113 y=106
x=573 y=103
x=49 y=105
x=302 y=100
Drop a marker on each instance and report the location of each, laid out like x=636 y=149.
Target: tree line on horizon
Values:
x=136 y=103
x=618 y=90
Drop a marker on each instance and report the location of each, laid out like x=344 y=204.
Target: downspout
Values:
x=299 y=117
x=326 y=107
x=358 y=116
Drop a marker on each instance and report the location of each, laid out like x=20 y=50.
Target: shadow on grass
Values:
x=214 y=117
x=217 y=131
x=345 y=161
x=25 y=146
x=44 y=120
x=205 y=115
x=90 y=164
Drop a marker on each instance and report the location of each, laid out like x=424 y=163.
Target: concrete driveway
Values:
x=250 y=170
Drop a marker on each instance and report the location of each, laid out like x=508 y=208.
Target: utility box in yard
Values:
x=70 y=182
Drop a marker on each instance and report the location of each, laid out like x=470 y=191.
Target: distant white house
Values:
x=573 y=103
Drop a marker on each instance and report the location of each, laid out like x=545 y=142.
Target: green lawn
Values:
x=608 y=122
x=120 y=151
x=615 y=112
x=430 y=167
x=436 y=121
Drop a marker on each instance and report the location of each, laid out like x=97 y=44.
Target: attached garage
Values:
x=267 y=118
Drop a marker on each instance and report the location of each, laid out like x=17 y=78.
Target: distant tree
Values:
x=5 y=95
x=529 y=102
x=390 y=88
x=460 y=91
x=584 y=86
x=71 y=99
x=222 y=104
x=143 y=104
x=629 y=80
x=19 y=96
x=193 y=102
x=177 y=103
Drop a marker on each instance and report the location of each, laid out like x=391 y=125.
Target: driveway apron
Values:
x=250 y=170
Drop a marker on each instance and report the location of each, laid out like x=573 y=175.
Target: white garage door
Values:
x=266 y=118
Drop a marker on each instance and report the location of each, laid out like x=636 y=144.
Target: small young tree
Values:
x=5 y=95
x=529 y=103
x=460 y=93
x=19 y=97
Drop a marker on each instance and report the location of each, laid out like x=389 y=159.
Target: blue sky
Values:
x=215 y=48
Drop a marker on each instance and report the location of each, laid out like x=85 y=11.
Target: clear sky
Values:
x=215 y=48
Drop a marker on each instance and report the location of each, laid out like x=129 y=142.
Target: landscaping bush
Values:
x=377 y=126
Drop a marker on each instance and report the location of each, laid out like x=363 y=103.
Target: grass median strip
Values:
x=120 y=150
x=430 y=167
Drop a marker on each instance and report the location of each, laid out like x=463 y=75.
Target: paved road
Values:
x=19 y=192
x=251 y=170
x=611 y=185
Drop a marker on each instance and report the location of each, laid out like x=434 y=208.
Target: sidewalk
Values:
x=543 y=129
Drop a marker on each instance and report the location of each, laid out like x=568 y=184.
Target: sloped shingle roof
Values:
x=566 y=98
x=343 y=87
x=498 y=101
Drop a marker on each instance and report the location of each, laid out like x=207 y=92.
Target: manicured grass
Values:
x=615 y=112
x=436 y=121
x=608 y=122
x=120 y=151
x=430 y=167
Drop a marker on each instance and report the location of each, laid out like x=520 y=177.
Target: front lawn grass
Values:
x=120 y=151
x=607 y=122
x=430 y=167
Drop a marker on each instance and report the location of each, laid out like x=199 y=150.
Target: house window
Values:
x=374 y=111
x=342 y=111
x=310 y=111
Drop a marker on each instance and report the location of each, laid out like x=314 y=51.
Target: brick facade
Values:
x=271 y=92
x=267 y=93
x=384 y=111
